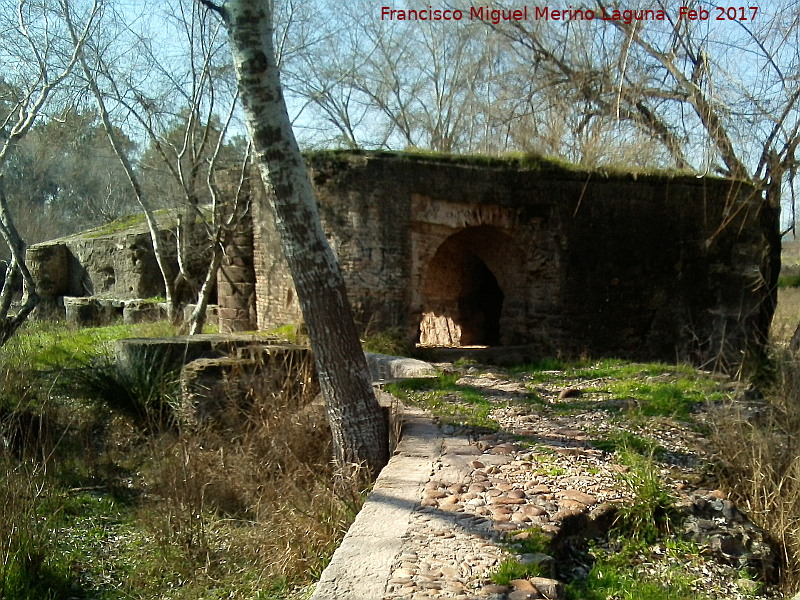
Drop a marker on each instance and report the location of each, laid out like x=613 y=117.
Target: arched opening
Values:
x=464 y=289
x=479 y=304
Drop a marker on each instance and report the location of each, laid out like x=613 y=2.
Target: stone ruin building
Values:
x=473 y=251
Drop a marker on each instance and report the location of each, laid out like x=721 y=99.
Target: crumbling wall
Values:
x=461 y=252
x=118 y=264
x=368 y=234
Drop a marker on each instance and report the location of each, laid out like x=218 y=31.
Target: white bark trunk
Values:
x=359 y=427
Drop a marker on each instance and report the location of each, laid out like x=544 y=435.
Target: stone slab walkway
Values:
x=362 y=565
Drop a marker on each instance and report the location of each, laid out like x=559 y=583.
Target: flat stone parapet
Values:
x=361 y=566
x=383 y=367
x=171 y=353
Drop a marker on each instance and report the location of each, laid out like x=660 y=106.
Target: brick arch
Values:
x=469 y=288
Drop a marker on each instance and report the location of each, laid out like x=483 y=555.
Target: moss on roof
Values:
x=527 y=161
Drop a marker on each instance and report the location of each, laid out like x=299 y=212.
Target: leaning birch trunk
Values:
x=359 y=428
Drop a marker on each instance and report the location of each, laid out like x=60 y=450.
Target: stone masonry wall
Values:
x=558 y=259
x=116 y=265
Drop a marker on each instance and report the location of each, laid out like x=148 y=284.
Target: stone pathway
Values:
x=445 y=519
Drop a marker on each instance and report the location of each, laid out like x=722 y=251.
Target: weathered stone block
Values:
x=212 y=312
x=142 y=311
x=91 y=311
x=49 y=267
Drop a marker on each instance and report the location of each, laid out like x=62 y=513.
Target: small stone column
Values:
x=236 y=281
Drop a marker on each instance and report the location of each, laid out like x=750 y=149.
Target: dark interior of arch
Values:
x=462 y=297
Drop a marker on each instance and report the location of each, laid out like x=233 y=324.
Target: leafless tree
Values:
x=42 y=55
x=719 y=96
x=364 y=82
x=178 y=113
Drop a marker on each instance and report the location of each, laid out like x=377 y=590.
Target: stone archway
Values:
x=466 y=289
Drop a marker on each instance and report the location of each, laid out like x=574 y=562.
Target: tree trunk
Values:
x=359 y=428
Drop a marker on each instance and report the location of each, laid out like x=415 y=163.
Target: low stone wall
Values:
x=224 y=378
x=229 y=390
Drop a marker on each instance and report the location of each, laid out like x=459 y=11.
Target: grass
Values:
x=390 y=341
x=789 y=281
x=614 y=576
x=675 y=400
x=531 y=542
x=652 y=513
x=43 y=345
x=93 y=506
x=291 y=333
x=165 y=217
x=514 y=160
x=627 y=442
x=653 y=389
x=147 y=394
x=511 y=569
x=543 y=371
x=759 y=460
x=646 y=523
x=455 y=404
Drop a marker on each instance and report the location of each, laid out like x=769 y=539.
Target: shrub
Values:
x=759 y=460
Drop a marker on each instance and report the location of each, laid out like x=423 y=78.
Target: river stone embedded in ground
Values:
x=542 y=473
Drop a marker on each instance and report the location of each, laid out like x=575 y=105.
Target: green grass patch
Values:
x=511 y=569
x=48 y=345
x=460 y=405
x=165 y=217
x=626 y=441
x=789 y=281
x=652 y=513
x=117 y=225
x=390 y=341
x=614 y=573
x=654 y=389
x=608 y=579
x=670 y=397
x=583 y=369
x=291 y=333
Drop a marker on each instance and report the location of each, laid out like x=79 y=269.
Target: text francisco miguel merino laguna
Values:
x=525 y=13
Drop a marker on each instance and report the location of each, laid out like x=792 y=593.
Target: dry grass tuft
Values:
x=260 y=498
x=759 y=451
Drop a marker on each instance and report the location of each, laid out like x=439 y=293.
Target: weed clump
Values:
x=652 y=514
x=758 y=445
x=145 y=392
x=105 y=494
